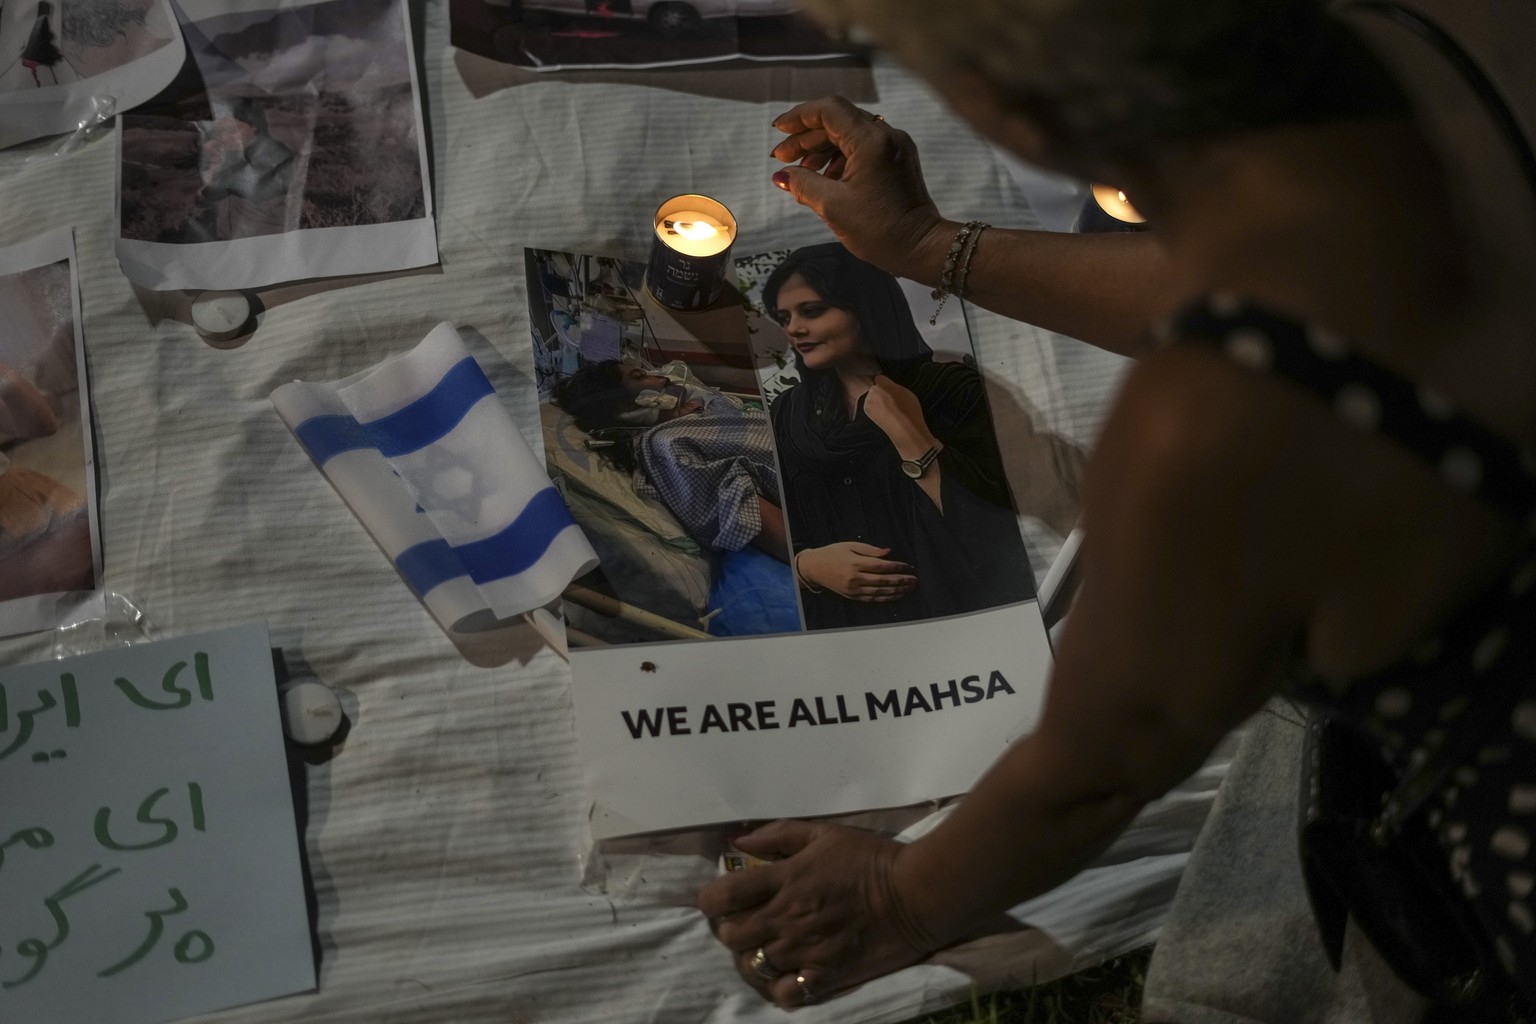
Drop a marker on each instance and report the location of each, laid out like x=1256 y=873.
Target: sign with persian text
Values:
x=149 y=861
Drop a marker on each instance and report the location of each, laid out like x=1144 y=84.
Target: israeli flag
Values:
x=424 y=453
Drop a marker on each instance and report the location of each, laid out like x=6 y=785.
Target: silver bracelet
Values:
x=794 y=564
x=961 y=251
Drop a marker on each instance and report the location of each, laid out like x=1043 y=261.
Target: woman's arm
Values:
x=1104 y=289
x=1197 y=585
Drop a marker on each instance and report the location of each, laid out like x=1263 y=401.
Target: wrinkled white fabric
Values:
x=446 y=837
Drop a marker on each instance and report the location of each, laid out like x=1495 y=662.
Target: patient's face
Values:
x=638 y=379
x=823 y=335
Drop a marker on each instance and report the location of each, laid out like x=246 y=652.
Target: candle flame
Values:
x=695 y=230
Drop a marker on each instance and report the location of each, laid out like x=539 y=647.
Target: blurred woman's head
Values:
x=836 y=308
x=602 y=395
x=1103 y=82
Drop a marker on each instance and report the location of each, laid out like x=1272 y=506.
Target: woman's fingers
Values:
x=738 y=891
x=796 y=146
x=745 y=932
x=782 y=838
x=840 y=119
x=880 y=568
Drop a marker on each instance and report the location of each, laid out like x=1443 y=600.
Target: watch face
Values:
x=912 y=469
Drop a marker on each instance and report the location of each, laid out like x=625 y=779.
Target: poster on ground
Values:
x=559 y=35
x=290 y=147
x=65 y=64
x=50 y=540
x=149 y=861
x=814 y=596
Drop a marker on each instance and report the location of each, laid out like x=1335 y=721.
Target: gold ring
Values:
x=807 y=997
x=762 y=967
x=879 y=118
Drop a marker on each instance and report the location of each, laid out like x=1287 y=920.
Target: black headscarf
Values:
x=819 y=429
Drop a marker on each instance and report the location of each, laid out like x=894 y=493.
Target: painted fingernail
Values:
x=781 y=179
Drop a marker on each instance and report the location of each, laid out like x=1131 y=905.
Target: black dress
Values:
x=1484 y=814
x=843 y=482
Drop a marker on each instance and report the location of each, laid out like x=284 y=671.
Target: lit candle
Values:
x=691 y=253
x=1113 y=202
x=693 y=233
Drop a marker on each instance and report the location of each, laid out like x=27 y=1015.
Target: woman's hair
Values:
x=1108 y=79
x=595 y=395
x=869 y=294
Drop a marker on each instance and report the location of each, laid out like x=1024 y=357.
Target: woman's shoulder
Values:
x=1248 y=474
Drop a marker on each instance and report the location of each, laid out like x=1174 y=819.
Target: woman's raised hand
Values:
x=824 y=917
x=899 y=414
x=869 y=188
x=859 y=572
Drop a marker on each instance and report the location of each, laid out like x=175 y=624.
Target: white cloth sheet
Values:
x=446 y=837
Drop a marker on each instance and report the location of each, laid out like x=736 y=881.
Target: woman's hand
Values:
x=899 y=414
x=828 y=912
x=858 y=572
x=870 y=190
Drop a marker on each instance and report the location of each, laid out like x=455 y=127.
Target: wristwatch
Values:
x=915 y=468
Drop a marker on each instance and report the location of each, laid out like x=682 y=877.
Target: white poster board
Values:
x=149 y=863
x=715 y=682
x=822 y=723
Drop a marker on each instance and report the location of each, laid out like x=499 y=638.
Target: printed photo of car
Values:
x=670 y=17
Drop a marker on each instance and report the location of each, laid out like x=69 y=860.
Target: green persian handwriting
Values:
x=168 y=685
x=182 y=950
x=36 y=949
x=145 y=816
x=31 y=838
x=46 y=702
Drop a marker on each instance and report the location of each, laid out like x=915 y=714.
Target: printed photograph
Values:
x=661 y=444
x=894 y=489
x=47 y=43
x=555 y=34
x=282 y=120
x=45 y=527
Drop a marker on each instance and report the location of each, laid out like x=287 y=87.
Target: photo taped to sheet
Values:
x=50 y=548
x=807 y=454
x=558 y=35
x=290 y=146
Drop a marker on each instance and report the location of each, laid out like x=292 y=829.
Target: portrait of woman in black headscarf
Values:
x=897 y=503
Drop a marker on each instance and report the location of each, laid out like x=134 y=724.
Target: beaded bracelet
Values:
x=958 y=251
x=965 y=265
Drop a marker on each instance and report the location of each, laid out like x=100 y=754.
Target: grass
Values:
x=1107 y=994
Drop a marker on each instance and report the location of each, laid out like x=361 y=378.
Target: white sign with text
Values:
x=149 y=861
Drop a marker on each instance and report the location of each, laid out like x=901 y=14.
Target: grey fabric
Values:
x=1240 y=946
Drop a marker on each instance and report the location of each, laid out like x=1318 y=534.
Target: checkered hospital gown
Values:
x=709 y=469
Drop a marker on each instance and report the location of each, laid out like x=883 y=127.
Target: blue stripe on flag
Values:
x=428 y=564
x=434 y=414
x=325 y=437
x=513 y=550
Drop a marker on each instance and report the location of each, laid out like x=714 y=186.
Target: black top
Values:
x=843 y=482
x=1485 y=816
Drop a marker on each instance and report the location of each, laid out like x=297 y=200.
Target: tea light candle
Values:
x=1113 y=202
x=691 y=253
x=312 y=713
x=221 y=316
